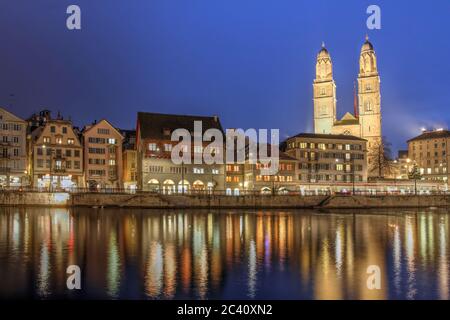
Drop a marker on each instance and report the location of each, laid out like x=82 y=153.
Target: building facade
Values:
x=284 y=181
x=14 y=171
x=328 y=159
x=129 y=160
x=366 y=121
x=56 y=155
x=102 y=156
x=155 y=169
x=429 y=152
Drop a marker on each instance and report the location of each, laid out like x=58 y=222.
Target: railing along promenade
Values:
x=206 y=193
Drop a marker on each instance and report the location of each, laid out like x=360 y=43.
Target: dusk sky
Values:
x=250 y=62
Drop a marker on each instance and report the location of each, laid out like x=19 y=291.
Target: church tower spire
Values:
x=369 y=99
x=324 y=93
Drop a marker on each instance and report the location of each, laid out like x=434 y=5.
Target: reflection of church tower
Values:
x=369 y=98
x=324 y=94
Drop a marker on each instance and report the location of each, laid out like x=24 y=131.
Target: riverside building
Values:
x=102 y=156
x=328 y=159
x=155 y=169
x=56 y=154
x=14 y=171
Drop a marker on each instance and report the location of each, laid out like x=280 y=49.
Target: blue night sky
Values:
x=250 y=62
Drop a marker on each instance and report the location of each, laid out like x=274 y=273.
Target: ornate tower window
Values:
x=368 y=106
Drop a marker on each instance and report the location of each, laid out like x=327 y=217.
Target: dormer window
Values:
x=166 y=132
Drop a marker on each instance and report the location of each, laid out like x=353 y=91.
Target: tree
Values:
x=415 y=174
x=381 y=159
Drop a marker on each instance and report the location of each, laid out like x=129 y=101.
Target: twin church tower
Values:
x=366 y=120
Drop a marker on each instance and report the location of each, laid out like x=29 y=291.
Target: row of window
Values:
x=436 y=154
x=329 y=166
x=6 y=139
x=324 y=146
x=436 y=145
x=312 y=156
x=177 y=170
x=11 y=126
x=102 y=140
x=167 y=147
x=111 y=162
x=58 y=152
x=233 y=179
x=274 y=178
x=58 y=164
x=281 y=166
x=102 y=173
x=58 y=140
x=437 y=170
x=329 y=177
x=6 y=154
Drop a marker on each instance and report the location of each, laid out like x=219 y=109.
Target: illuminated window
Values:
x=228 y=179
x=339 y=167
x=198 y=149
x=167 y=147
x=70 y=141
x=199 y=170
x=152 y=147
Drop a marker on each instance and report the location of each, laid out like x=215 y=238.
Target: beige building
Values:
x=129 y=160
x=156 y=170
x=56 y=155
x=430 y=153
x=366 y=121
x=284 y=181
x=13 y=151
x=328 y=159
x=102 y=156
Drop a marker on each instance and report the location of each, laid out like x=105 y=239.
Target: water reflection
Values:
x=148 y=254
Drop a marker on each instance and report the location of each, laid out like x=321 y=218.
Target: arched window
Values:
x=368 y=105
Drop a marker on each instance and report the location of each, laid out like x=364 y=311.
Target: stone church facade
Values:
x=365 y=122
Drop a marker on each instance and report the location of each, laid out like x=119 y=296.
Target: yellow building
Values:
x=430 y=153
x=366 y=121
x=56 y=156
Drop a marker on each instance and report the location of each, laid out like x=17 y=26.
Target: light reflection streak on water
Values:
x=443 y=261
x=410 y=257
x=172 y=255
x=113 y=266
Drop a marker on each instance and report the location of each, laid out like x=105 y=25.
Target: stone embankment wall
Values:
x=45 y=199
x=217 y=202
x=191 y=201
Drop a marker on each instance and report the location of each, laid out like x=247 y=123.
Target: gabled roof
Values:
x=347 y=119
x=13 y=116
x=152 y=125
x=88 y=128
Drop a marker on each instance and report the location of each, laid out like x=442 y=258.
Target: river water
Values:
x=155 y=254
